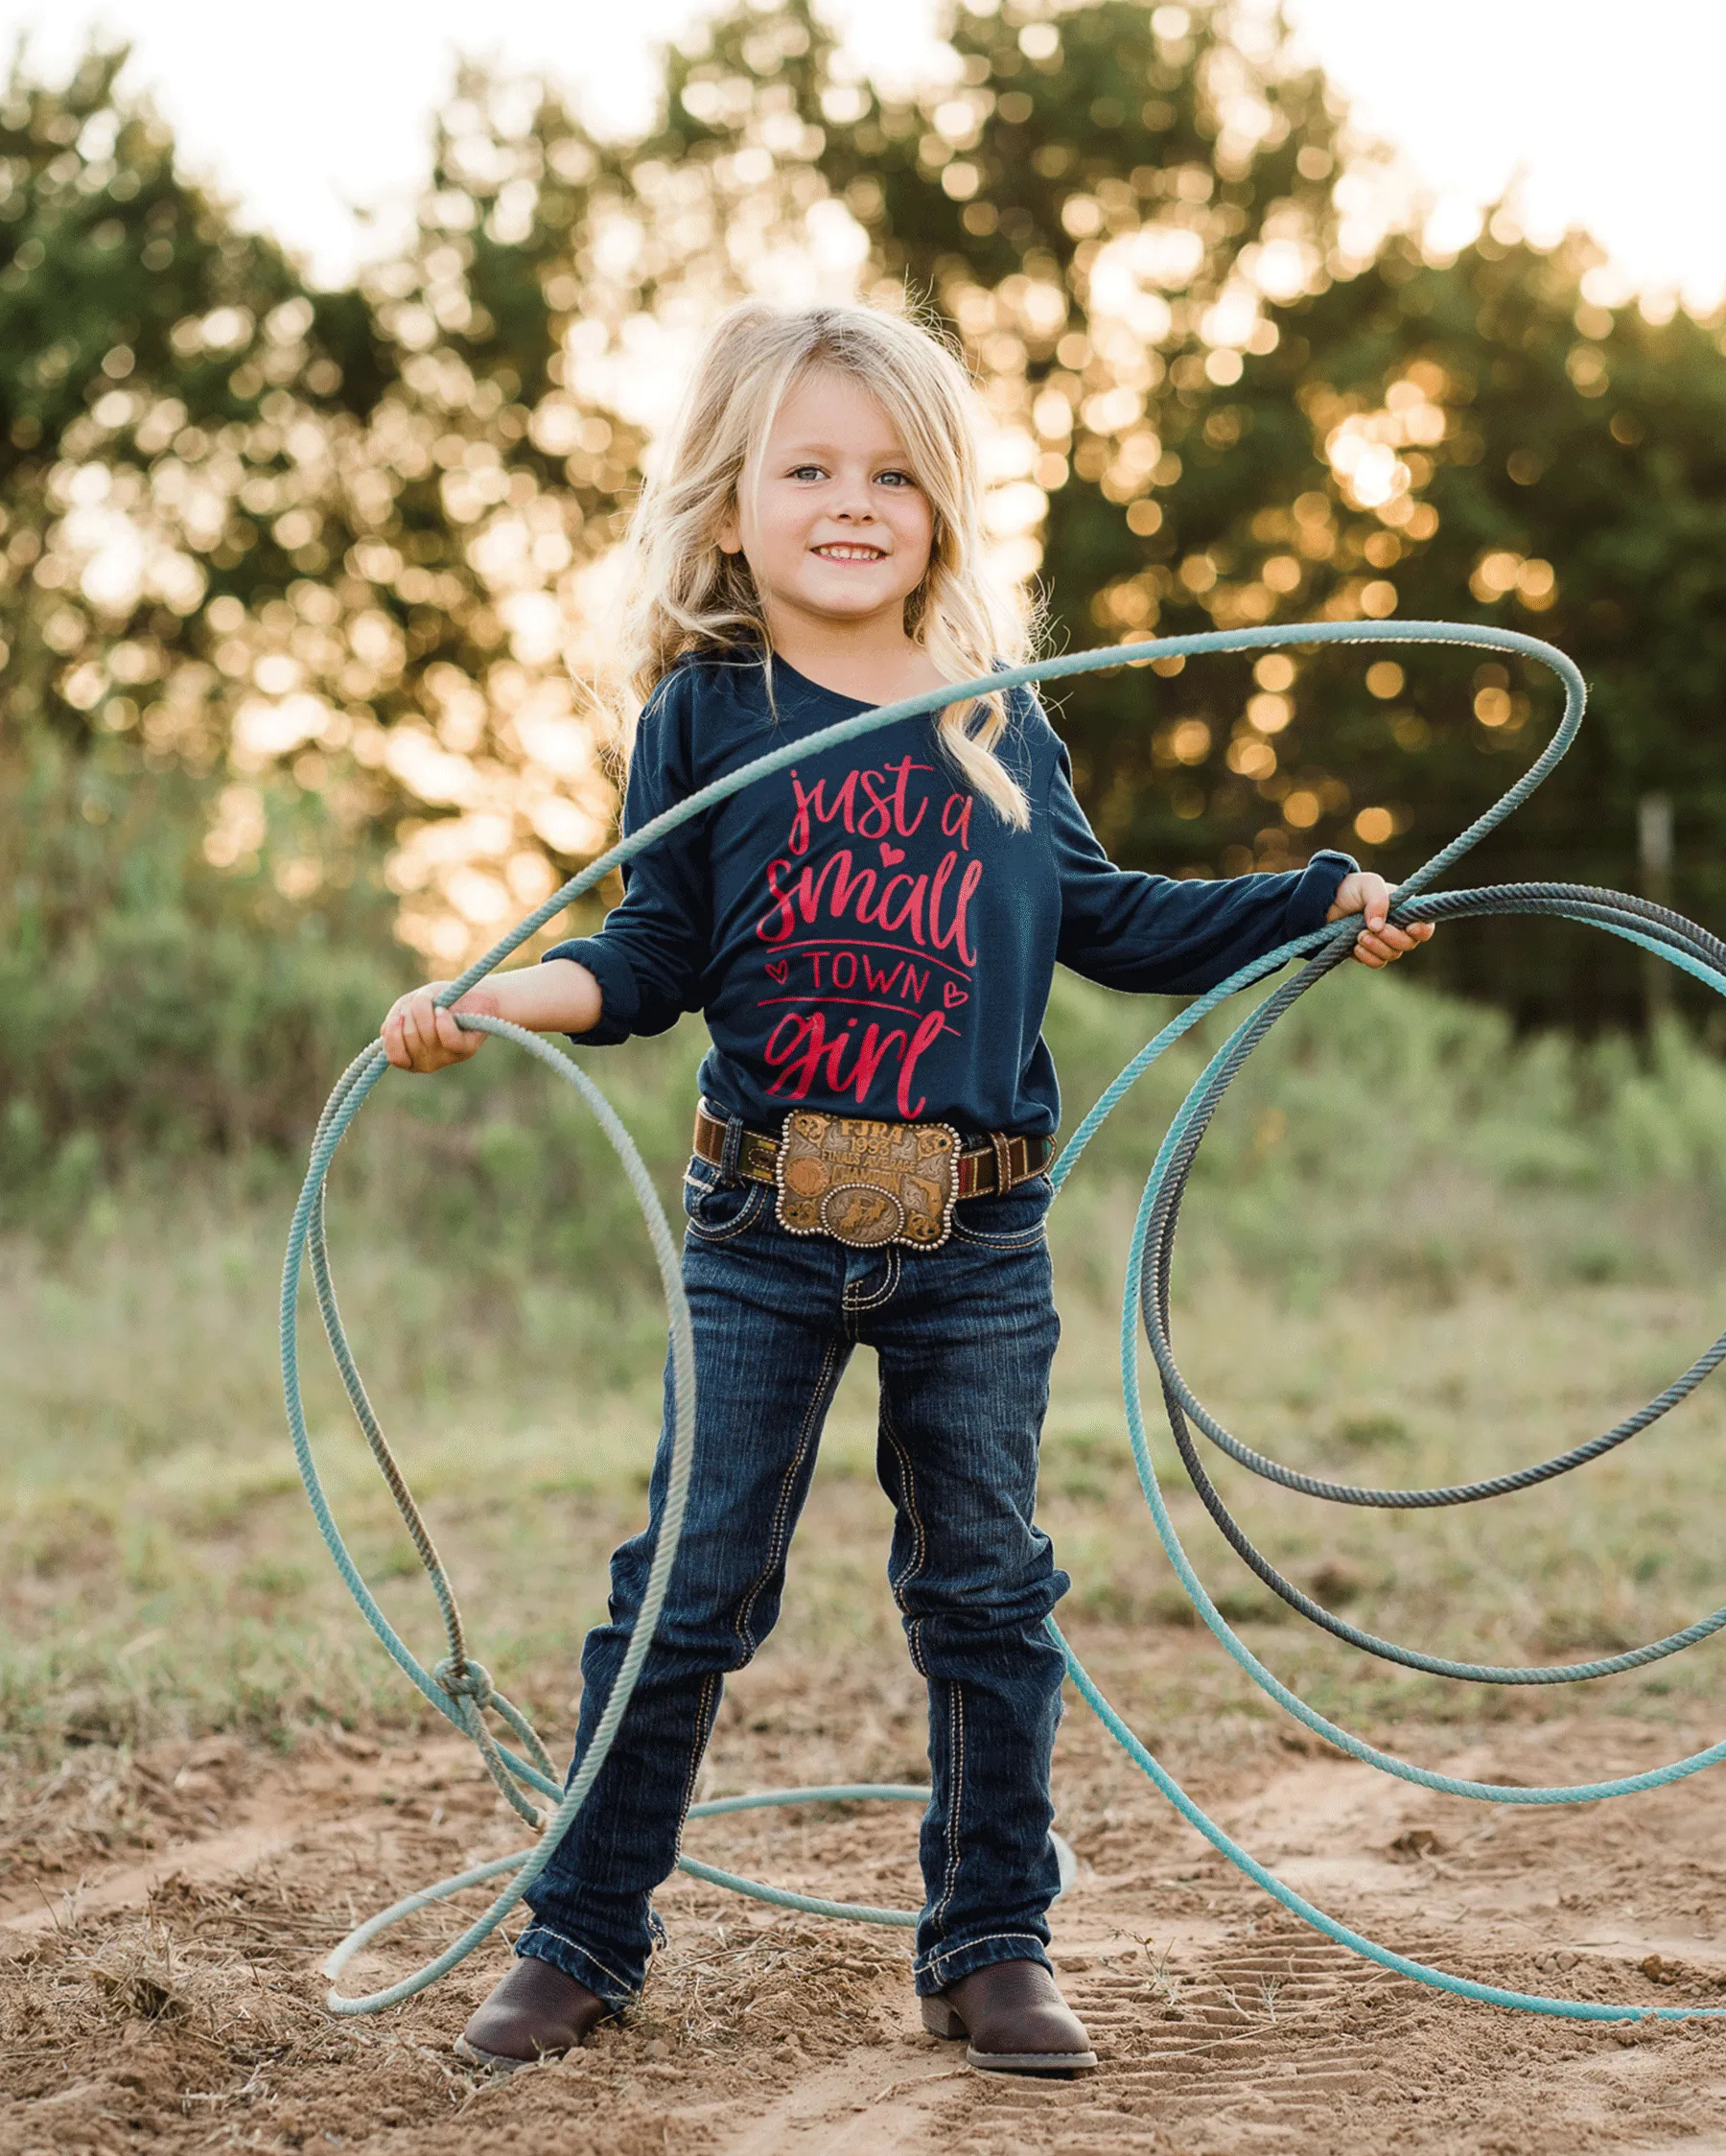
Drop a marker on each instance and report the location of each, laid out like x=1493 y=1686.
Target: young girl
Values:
x=870 y=935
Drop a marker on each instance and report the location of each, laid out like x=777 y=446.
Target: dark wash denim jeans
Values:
x=965 y=1336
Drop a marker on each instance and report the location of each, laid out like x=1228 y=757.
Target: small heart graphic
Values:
x=953 y=994
x=779 y=970
x=891 y=856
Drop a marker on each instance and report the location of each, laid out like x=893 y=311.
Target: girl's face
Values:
x=831 y=521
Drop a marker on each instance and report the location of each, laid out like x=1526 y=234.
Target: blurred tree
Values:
x=169 y=396
x=1241 y=412
x=1484 y=440
x=140 y=342
x=292 y=582
x=1224 y=402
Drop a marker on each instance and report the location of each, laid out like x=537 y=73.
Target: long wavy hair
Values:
x=685 y=594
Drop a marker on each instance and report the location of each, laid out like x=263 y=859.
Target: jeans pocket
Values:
x=1012 y=1223
x=716 y=1211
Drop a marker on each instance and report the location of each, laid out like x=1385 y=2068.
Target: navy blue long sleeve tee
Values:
x=865 y=935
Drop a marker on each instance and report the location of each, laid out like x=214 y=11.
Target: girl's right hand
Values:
x=418 y=1036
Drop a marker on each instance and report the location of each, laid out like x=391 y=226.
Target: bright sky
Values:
x=1604 y=114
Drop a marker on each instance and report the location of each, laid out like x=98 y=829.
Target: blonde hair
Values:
x=686 y=595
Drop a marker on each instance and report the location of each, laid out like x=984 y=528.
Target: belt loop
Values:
x=731 y=1153
x=1003 y=1154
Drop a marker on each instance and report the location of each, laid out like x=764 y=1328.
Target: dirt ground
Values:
x=162 y=1919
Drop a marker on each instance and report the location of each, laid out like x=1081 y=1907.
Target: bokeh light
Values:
x=349 y=559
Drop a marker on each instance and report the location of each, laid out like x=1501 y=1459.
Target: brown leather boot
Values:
x=1016 y=2021
x=535 y=2013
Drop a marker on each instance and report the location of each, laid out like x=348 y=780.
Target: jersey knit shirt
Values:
x=865 y=934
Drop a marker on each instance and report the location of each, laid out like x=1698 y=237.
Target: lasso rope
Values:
x=461 y=1689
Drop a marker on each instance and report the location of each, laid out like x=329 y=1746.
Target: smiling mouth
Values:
x=848 y=550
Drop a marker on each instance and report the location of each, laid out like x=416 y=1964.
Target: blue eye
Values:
x=898 y=479
x=807 y=472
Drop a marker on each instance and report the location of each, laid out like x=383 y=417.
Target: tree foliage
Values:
x=299 y=589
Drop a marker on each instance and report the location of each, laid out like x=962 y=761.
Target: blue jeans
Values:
x=965 y=1337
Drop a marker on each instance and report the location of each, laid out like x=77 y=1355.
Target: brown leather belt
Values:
x=985 y=1171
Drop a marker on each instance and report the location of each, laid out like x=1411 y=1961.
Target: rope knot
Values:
x=473 y=1681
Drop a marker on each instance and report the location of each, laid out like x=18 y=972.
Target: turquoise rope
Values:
x=1167 y=1181
x=461 y=1689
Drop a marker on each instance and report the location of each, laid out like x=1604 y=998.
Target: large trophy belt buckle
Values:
x=867 y=1184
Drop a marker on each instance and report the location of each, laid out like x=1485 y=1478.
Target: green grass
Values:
x=1412 y=1251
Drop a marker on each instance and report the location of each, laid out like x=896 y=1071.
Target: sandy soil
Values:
x=162 y=1919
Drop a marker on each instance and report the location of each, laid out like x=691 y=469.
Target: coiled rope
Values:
x=462 y=1690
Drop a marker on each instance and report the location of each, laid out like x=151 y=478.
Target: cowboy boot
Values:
x=535 y=2013
x=1016 y=2021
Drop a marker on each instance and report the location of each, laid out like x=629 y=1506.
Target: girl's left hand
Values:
x=1378 y=943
